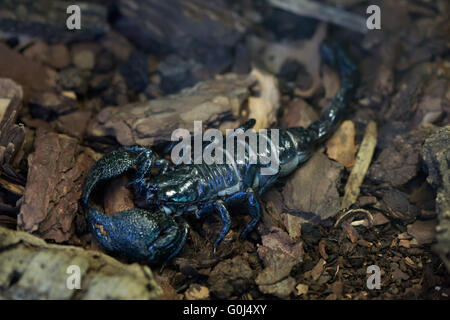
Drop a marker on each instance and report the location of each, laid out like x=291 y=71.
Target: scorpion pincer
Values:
x=201 y=189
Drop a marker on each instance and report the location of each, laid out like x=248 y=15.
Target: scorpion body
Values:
x=201 y=189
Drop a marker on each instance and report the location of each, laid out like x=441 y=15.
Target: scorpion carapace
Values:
x=159 y=234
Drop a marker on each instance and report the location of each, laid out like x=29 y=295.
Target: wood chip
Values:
x=59 y=166
x=265 y=107
x=362 y=163
x=404 y=244
x=12 y=187
x=318 y=269
x=322 y=249
x=151 y=122
x=341 y=146
x=409 y=262
x=423 y=231
x=318 y=180
x=197 y=292
x=302 y=289
x=352 y=234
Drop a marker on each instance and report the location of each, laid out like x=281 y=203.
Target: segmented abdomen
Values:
x=217 y=180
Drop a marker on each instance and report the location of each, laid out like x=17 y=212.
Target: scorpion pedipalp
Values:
x=143 y=235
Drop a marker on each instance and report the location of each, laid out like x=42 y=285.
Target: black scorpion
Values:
x=200 y=189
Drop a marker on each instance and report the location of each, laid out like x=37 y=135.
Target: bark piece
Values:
x=352 y=234
x=33 y=269
x=279 y=254
x=436 y=155
x=313 y=188
x=74 y=124
x=423 y=231
x=197 y=292
x=150 y=122
x=341 y=146
x=409 y=94
x=398 y=274
x=41 y=92
x=272 y=211
x=434 y=102
x=47 y=19
x=265 y=107
x=56 y=56
x=232 y=276
x=53 y=188
x=399 y=162
x=298 y=114
x=362 y=163
x=11 y=135
x=397 y=206
x=293 y=225
x=205 y=31
x=302 y=289
x=316 y=272
x=281 y=289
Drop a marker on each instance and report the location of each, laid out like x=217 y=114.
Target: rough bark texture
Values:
x=33 y=269
x=11 y=134
x=153 y=121
x=53 y=188
x=436 y=154
x=319 y=195
x=400 y=161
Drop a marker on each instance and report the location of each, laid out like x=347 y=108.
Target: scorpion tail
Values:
x=143 y=235
x=334 y=55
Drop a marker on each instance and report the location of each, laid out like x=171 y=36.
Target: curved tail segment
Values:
x=334 y=55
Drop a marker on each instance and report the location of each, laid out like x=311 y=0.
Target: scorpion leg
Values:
x=163 y=164
x=219 y=207
x=172 y=240
x=226 y=219
x=254 y=208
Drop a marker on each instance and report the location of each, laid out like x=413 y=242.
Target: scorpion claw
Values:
x=139 y=234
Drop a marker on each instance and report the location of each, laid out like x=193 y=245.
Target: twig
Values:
x=352 y=213
x=362 y=163
x=323 y=12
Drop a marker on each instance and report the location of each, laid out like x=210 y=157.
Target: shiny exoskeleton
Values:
x=200 y=189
